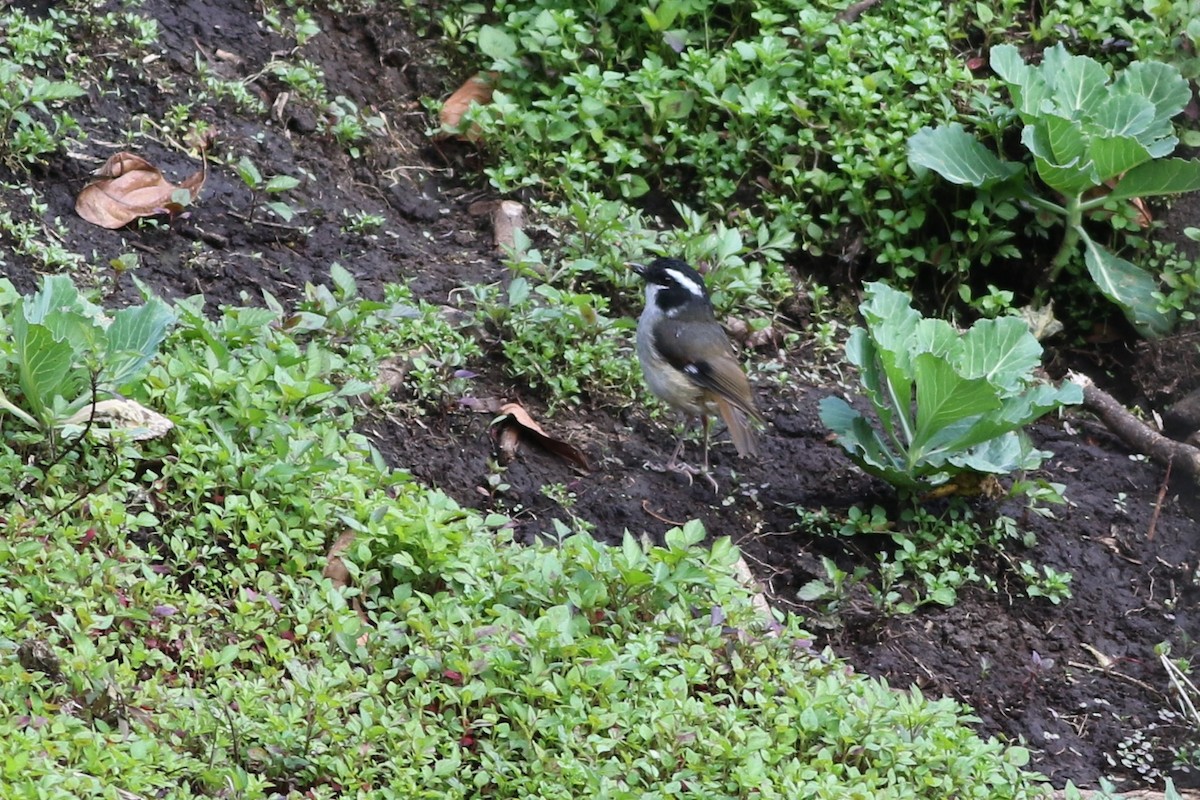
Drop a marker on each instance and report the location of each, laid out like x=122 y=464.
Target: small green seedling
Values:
x=276 y=185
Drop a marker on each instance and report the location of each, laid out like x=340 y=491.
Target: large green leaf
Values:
x=43 y=364
x=1020 y=410
x=1065 y=138
x=1130 y=287
x=1124 y=115
x=1166 y=176
x=1000 y=455
x=1078 y=83
x=936 y=336
x=1114 y=155
x=958 y=157
x=57 y=292
x=1001 y=351
x=945 y=397
x=496 y=44
x=890 y=317
x=133 y=339
x=1028 y=88
x=863 y=443
x=1159 y=83
x=892 y=323
x=1071 y=178
x=863 y=354
x=1013 y=413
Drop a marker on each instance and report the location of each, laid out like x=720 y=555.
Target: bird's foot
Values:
x=684 y=469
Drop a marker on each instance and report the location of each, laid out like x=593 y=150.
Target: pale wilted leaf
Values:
x=1041 y=321
x=119 y=415
x=129 y=187
x=508 y=218
x=339 y=575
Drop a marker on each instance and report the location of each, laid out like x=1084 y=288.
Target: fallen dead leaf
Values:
x=508 y=441
x=513 y=417
x=129 y=417
x=1041 y=321
x=483 y=208
x=128 y=187
x=335 y=568
x=507 y=220
x=339 y=575
x=476 y=90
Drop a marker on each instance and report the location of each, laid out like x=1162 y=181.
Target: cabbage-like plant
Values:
x=64 y=353
x=946 y=401
x=1093 y=140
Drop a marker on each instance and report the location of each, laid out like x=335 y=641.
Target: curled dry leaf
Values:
x=769 y=336
x=477 y=89
x=129 y=187
x=508 y=218
x=1041 y=321
x=128 y=417
x=335 y=567
x=513 y=417
x=339 y=575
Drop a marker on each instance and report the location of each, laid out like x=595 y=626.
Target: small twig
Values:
x=1183 y=685
x=852 y=13
x=1114 y=674
x=659 y=517
x=1158 y=502
x=77 y=442
x=250 y=220
x=233 y=736
x=87 y=492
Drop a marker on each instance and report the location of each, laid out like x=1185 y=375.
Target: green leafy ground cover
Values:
x=194 y=647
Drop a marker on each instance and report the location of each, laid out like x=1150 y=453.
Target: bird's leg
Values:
x=674 y=464
x=706 y=472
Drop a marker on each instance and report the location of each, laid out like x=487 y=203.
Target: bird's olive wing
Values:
x=703 y=353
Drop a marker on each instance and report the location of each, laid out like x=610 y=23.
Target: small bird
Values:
x=686 y=357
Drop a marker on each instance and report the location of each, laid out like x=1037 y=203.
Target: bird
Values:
x=687 y=360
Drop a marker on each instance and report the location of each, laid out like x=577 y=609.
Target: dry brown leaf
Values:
x=335 y=568
x=508 y=218
x=508 y=440
x=483 y=208
x=1041 y=321
x=129 y=187
x=514 y=417
x=130 y=417
x=339 y=575
x=477 y=89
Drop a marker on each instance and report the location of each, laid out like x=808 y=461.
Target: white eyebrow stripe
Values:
x=686 y=282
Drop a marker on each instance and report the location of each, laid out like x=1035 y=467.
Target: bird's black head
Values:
x=672 y=284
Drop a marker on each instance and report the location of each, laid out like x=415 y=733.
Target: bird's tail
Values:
x=739 y=426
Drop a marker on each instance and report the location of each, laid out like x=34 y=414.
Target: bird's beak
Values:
x=640 y=269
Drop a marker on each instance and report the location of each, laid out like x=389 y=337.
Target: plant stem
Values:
x=1074 y=215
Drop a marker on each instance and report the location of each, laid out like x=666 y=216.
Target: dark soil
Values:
x=1076 y=682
